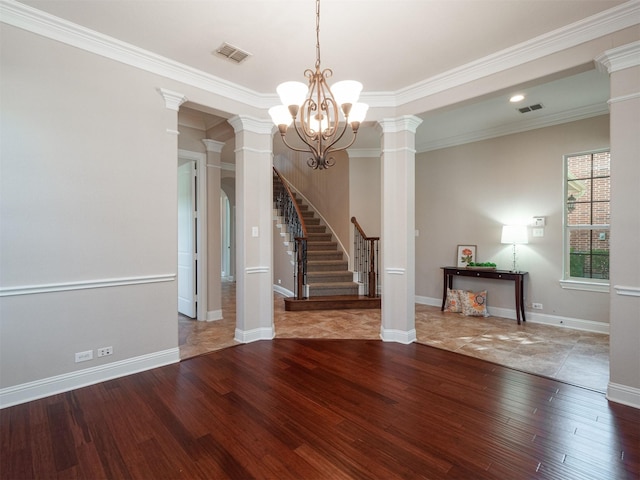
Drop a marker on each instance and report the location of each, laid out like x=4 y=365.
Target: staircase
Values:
x=329 y=282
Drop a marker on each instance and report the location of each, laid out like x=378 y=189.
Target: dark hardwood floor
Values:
x=323 y=409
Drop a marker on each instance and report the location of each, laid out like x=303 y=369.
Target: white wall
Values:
x=88 y=195
x=465 y=194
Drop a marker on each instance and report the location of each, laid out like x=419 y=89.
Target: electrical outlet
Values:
x=84 y=356
x=104 y=351
x=537 y=306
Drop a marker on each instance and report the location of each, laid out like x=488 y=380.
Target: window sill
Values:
x=585 y=286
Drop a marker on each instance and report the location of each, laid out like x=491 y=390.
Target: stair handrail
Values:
x=365 y=259
x=290 y=211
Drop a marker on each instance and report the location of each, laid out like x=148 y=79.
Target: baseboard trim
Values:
x=46 y=387
x=434 y=302
x=248 y=336
x=283 y=291
x=398 y=336
x=623 y=394
x=213 y=315
x=533 y=317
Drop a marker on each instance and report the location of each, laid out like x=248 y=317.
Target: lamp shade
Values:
x=292 y=93
x=280 y=115
x=358 y=112
x=513 y=234
x=346 y=91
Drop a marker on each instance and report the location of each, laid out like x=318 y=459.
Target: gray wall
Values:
x=465 y=194
x=88 y=197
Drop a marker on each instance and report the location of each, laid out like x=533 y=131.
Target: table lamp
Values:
x=514 y=234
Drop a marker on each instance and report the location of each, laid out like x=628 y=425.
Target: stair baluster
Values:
x=288 y=208
x=366 y=259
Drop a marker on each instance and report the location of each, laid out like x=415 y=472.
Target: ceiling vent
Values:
x=234 y=54
x=530 y=108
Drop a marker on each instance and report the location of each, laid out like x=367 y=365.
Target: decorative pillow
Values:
x=452 y=303
x=474 y=303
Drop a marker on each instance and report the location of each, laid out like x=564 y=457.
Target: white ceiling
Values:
x=387 y=45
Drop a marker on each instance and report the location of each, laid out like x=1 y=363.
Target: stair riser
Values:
x=318 y=237
x=327 y=292
x=313 y=277
x=320 y=255
x=326 y=267
x=321 y=246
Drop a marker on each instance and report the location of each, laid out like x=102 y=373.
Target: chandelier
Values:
x=320 y=114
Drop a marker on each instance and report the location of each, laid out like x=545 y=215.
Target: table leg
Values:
x=444 y=290
x=522 y=298
x=519 y=300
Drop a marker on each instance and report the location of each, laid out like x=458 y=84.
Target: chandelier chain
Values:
x=317 y=34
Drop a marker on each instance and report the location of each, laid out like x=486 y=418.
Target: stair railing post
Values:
x=372 y=269
x=301 y=262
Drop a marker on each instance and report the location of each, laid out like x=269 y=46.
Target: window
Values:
x=587 y=217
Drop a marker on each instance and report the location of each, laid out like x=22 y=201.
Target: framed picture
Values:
x=466 y=254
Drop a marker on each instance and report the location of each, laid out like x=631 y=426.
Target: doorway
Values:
x=187 y=247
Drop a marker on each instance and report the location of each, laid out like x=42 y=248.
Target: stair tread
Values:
x=328 y=273
x=333 y=284
x=326 y=262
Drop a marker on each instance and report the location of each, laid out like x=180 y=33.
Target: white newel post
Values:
x=623 y=65
x=214 y=286
x=254 y=199
x=398 y=229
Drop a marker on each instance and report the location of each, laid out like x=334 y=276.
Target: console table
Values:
x=516 y=277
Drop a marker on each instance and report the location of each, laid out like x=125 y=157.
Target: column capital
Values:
x=172 y=100
x=619 y=58
x=252 y=124
x=213 y=145
x=401 y=124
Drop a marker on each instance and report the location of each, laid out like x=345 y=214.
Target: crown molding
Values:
x=515 y=127
x=36 y=21
x=616 y=59
x=607 y=22
x=41 y=23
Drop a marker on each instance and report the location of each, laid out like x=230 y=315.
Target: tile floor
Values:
x=576 y=357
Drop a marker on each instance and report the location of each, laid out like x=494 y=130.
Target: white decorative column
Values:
x=398 y=229
x=623 y=66
x=254 y=199
x=214 y=241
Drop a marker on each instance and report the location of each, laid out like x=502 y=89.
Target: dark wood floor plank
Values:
x=324 y=409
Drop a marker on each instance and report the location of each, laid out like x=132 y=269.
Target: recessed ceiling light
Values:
x=516 y=98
